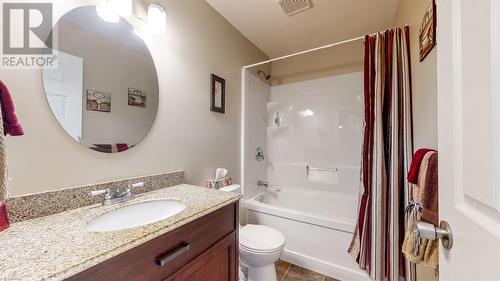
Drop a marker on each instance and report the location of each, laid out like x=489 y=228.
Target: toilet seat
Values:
x=254 y=251
x=261 y=239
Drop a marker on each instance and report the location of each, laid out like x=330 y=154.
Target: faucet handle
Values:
x=100 y=192
x=131 y=187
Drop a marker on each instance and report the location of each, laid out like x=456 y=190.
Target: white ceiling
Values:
x=264 y=23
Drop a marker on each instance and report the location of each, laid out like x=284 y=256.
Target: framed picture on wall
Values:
x=218 y=94
x=98 y=101
x=427 y=38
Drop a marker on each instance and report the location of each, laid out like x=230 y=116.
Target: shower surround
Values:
x=312 y=162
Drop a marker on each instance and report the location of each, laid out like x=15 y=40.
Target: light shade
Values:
x=107 y=14
x=122 y=7
x=157 y=18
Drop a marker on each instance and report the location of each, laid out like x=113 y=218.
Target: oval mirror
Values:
x=104 y=88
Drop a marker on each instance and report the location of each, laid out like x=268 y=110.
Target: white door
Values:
x=64 y=90
x=469 y=137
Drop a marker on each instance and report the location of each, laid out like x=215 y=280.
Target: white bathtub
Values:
x=317 y=225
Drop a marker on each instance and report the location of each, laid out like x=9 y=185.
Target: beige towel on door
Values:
x=410 y=242
x=428 y=250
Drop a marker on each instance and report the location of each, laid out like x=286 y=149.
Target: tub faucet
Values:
x=118 y=195
x=262 y=183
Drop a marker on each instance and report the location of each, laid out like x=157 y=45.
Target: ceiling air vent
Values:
x=291 y=7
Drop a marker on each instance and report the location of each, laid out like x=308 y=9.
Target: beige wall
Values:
x=346 y=58
x=424 y=76
x=424 y=80
x=185 y=135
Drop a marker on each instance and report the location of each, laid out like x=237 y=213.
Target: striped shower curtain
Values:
x=386 y=155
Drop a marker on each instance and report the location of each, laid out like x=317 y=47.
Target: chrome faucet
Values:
x=262 y=183
x=119 y=195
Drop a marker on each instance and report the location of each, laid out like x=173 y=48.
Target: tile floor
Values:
x=291 y=272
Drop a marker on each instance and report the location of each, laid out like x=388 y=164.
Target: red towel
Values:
x=121 y=147
x=415 y=164
x=11 y=125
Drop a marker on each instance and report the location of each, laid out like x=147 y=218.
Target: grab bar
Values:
x=309 y=168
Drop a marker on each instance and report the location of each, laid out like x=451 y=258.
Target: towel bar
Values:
x=309 y=168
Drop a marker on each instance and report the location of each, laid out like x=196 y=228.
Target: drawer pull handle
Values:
x=168 y=257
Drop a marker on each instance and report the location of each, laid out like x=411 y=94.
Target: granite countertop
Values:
x=58 y=246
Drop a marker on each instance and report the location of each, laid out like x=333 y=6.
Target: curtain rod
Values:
x=315 y=49
x=306 y=51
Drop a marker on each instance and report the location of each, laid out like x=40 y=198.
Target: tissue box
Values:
x=217 y=184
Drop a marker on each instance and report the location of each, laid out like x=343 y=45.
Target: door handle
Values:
x=431 y=232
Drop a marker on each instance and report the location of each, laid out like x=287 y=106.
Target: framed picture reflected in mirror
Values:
x=136 y=97
x=98 y=101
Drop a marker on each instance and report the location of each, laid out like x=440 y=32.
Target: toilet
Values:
x=260 y=247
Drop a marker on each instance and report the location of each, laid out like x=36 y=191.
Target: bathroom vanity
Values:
x=205 y=249
x=198 y=243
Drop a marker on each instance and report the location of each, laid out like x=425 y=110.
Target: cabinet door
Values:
x=219 y=263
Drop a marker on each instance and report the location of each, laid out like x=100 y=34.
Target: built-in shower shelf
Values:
x=277 y=127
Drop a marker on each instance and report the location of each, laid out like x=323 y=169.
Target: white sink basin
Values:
x=136 y=215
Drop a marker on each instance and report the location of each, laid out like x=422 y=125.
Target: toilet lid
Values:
x=261 y=238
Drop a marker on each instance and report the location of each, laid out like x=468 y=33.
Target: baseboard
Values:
x=328 y=269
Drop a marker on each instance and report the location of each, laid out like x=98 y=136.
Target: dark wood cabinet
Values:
x=216 y=264
x=205 y=249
